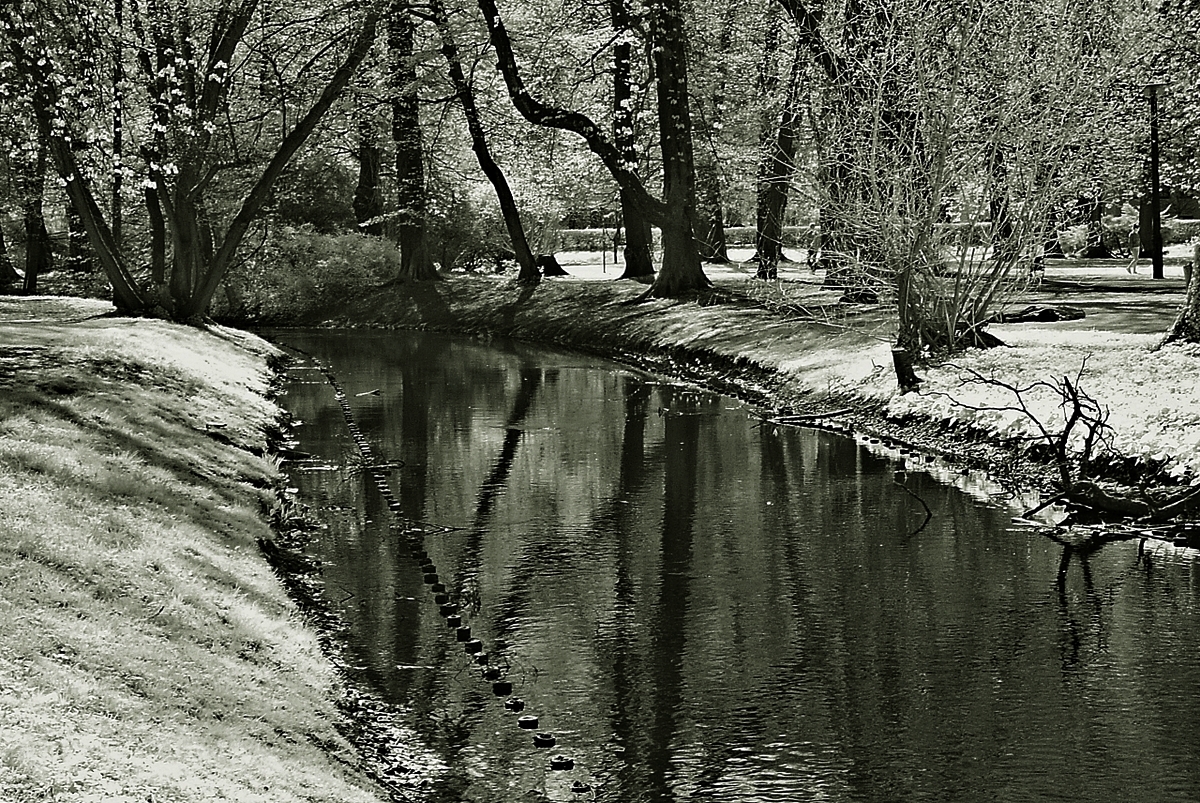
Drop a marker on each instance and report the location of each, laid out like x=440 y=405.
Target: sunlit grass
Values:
x=148 y=652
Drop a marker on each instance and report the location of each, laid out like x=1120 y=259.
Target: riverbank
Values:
x=791 y=347
x=149 y=651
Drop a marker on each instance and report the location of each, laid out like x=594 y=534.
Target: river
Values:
x=700 y=606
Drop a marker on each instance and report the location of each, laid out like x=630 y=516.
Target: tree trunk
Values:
x=207 y=94
x=38 y=255
x=779 y=160
x=639 y=237
x=903 y=362
x=79 y=254
x=1002 y=226
x=1095 y=247
x=680 y=272
x=116 y=213
x=639 y=241
x=1186 y=327
x=368 y=198
x=684 y=272
x=416 y=262
x=713 y=247
x=9 y=278
x=528 y=272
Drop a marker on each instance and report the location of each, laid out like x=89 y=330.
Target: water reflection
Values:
x=702 y=608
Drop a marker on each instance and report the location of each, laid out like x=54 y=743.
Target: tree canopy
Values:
x=901 y=130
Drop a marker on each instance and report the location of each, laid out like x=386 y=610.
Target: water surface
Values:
x=700 y=607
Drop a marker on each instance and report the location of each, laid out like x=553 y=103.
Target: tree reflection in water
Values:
x=702 y=608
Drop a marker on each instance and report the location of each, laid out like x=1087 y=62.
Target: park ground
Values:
x=150 y=653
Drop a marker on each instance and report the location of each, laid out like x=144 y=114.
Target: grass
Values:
x=149 y=653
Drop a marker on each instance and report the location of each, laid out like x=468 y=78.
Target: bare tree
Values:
x=934 y=106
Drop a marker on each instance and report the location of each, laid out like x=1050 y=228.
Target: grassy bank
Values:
x=149 y=653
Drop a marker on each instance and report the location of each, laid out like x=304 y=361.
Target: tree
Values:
x=639 y=238
x=416 y=262
x=528 y=272
x=204 y=185
x=711 y=207
x=933 y=105
x=1176 y=53
x=368 y=194
x=775 y=176
x=680 y=271
x=32 y=180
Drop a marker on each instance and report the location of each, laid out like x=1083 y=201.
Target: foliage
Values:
x=316 y=193
x=298 y=273
x=1173 y=56
x=466 y=228
x=217 y=96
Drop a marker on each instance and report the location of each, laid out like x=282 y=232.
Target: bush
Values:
x=1179 y=230
x=588 y=239
x=602 y=239
x=466 y=231
x=299 y=273
x=316 y=194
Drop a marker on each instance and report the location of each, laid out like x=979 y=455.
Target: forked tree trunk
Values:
x=416 y=261
x=528 y=272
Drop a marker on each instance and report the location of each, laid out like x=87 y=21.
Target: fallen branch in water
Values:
x=913 y=494
x=1096 y=497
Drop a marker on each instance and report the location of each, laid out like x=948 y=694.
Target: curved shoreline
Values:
x=829 y=370
x=790 y=347
x=137 y=399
